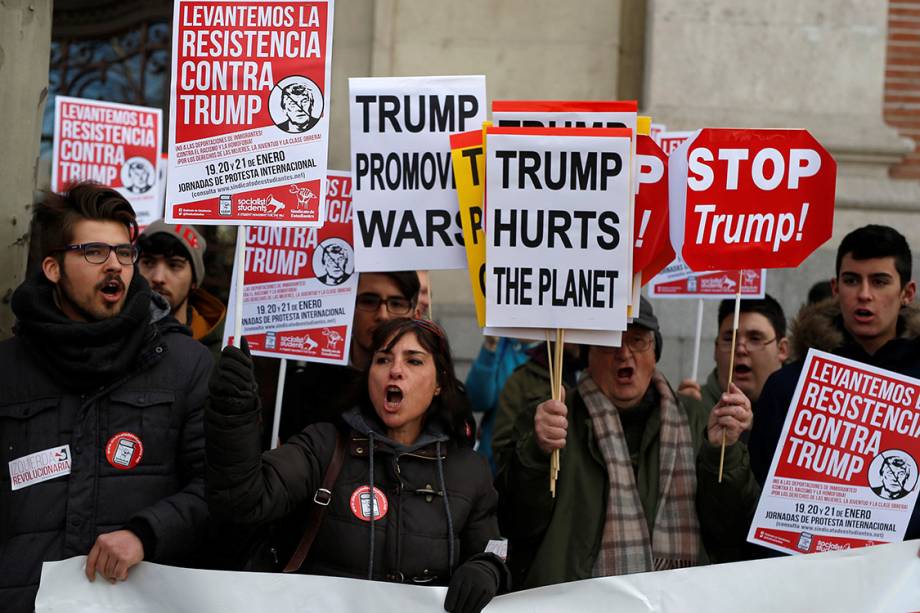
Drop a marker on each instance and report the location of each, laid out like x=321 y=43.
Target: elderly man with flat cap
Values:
x=638 y=489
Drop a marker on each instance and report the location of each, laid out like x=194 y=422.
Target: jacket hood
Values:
x=209 y=308
x=365 y=423
x=820 y=326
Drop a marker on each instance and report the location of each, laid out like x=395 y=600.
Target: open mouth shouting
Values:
x=741 y=371
x=112 y=289
x=863 y=316
x=393 y=400
x=625 y=375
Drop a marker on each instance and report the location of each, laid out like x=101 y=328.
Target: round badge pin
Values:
x=124 y=451
x=361 y=502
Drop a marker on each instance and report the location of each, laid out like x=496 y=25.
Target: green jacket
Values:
x=557 y=540
x=527 y=387
x=711 y=391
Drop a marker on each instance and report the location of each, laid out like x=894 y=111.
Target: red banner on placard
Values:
x=750 y=198
x=652 y=244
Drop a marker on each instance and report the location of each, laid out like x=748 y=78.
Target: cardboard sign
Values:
x=656 y=130
x=715 y=285
x=670 y=141
x=405 y=197
x=755 y=198
x=845 y=472
x=558 y=203
x=248 y=113
x=300 y=285
x=468 y=159
x=652 y=249
x=116 y=145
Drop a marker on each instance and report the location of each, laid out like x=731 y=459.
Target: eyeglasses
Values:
x=98 y=253
x=753 y=342
x=638 y=343
x=396 y=305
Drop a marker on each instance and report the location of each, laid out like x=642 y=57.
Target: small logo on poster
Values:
x=226 y=204
x=295 y=104
x=892 y=474
x=269 y=340
x=138 y=175
x=333 y=262
x=804 y=543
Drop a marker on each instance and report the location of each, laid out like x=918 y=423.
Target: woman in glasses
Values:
x=412 y=502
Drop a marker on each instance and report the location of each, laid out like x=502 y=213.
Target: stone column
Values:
x=25 y=47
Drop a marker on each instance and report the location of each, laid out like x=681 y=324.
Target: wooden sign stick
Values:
x=731 y=365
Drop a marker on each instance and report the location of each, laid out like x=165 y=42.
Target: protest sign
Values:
x=558 y=201
x=300 y=284
x=755 y=198
x=714 y=285
x=404 y=192
x=669 y=141
x=884 y=578
x=845 y=471
x=248 y=113
x=656 y=130
x=116 y=145
x=652 y=249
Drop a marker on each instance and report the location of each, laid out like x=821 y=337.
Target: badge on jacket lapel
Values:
x=124 y=451
x=361 y=501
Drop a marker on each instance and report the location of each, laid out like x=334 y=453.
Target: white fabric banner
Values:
x=877 y=579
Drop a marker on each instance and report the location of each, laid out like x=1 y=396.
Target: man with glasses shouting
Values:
x=761 y=349
x=100 y=411
x=637 y=490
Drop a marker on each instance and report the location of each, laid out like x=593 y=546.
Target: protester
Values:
x=172 y=261
x=637 y=489
x=101 y=385
x=761 y=348
x=497 y=360
x=870 y=319
x=423 y=306
x=381 y=296
x=412 y=503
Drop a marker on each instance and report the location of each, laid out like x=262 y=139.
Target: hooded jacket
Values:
x=435 y=504
x=820 y=326
x=206 y=318
x=79 y=385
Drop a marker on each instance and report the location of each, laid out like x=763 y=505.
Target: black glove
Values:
x=233 y=382
x=474 y=584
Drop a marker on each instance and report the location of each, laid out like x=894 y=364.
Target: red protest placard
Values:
x=249 y=111
x=300 y=284
x=652 y=249
x=845 y=472
x=117 y=145
x=713 y=285
x=750 y=198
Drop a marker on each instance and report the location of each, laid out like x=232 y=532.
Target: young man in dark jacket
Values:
x=101 y=409
x=869 y=319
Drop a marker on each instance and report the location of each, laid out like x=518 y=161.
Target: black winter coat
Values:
x=411 y=542
x=162 y=497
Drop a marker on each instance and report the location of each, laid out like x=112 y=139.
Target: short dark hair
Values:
x=57 y=214
x=874 y=241
x=407 y=282
x=448 y=405
x=162 y=244
x=820 y=291
x=766 y=306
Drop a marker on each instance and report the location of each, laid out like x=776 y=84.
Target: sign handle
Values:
x=697 y=340
x=240 y=260
x=556 y=378
x=731 y=364
x=279 y=397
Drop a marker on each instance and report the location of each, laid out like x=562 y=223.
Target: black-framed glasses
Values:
x=396 y=305
x=752 y=342
x=98 y=253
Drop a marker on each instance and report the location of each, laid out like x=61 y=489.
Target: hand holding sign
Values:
x=730 y=417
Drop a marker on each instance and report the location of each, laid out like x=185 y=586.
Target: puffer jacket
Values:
x=436 y=507
x=161 y=498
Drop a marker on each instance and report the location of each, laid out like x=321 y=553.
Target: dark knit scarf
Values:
x=82 y=355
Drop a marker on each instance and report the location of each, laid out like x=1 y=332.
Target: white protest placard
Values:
x=405 y=197
x=712 y=285
x=249 y=112
x=300 y=284
x=116 y=145
x=558 y=201
x=844 y=474
x=880 y=579
x=669 y=141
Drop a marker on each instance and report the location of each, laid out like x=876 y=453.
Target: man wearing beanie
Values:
x=172 y=261
x=637 y=489
x=101 y=407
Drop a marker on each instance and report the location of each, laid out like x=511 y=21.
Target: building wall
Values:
x=902 y=80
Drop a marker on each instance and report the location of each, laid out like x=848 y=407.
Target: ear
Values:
x=908 y=293
x=52 y=269
x=783 y=349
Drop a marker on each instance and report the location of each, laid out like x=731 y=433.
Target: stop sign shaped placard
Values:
x=651 y=241
x=750 y=198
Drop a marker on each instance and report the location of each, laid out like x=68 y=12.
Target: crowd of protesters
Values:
x=115 y=369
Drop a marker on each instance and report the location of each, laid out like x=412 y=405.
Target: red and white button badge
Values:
x=124 y=451
x=361 y=503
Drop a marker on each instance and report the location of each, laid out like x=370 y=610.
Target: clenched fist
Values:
x=550 y=425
